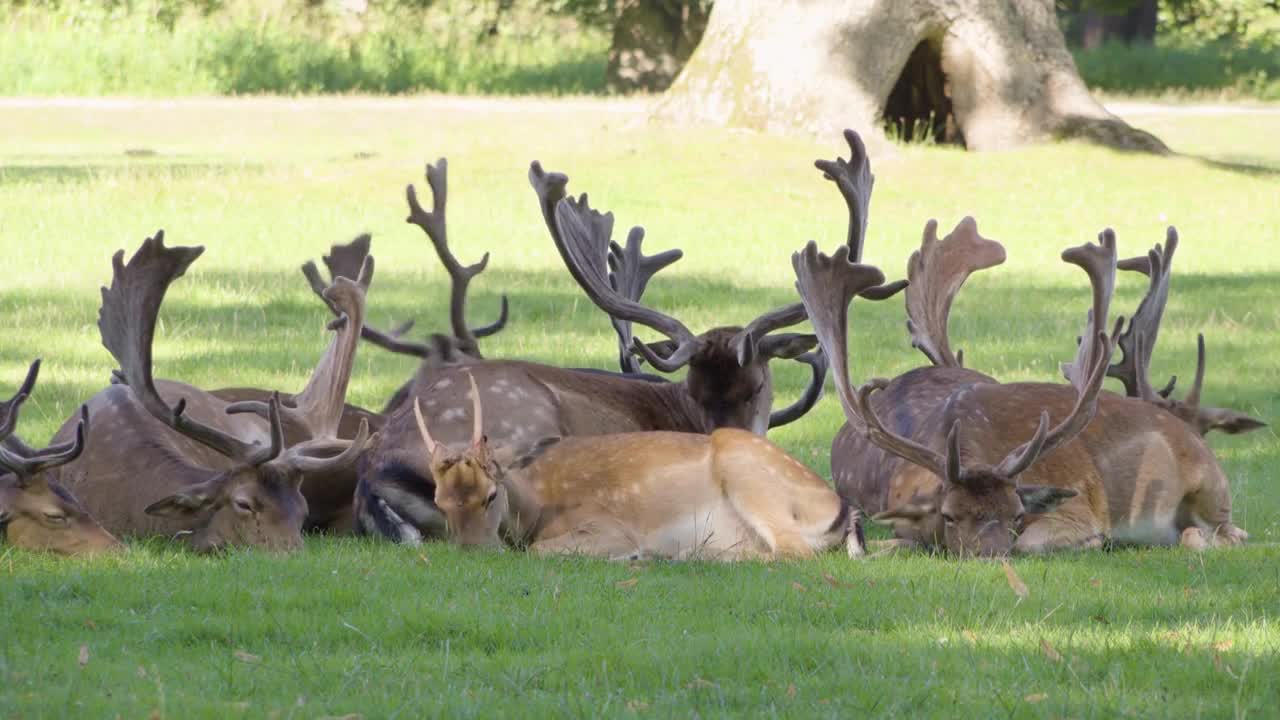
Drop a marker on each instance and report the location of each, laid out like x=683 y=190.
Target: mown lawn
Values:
x=363 y=627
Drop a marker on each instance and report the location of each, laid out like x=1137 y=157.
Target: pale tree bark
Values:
x=818 y=66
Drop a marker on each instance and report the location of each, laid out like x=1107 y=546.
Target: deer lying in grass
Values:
x=1138 y=341
x=730 y=495
x=728 y=383
x=166 y=458
x=935 y=272
x=36 y=511
x=1133 y=474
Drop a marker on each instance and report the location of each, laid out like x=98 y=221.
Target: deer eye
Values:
x=243 y=506
x=493 y=495
x=948 y=519
x=56 y=517
x=1017 y=519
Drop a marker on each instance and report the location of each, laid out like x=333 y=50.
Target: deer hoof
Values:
x=1193 y=539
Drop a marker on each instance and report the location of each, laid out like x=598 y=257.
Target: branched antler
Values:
x=434 y=225
x=24 y=462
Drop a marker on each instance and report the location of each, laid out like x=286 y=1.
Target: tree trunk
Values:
x=652 y=40
x=818 y=66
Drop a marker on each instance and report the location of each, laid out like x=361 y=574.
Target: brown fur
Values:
x=40 y=515
x=1141 y=475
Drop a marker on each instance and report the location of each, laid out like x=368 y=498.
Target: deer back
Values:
x=860 y=469
x=133 y=460
x=725 y=496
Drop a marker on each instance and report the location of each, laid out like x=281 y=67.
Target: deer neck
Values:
x=524 y=510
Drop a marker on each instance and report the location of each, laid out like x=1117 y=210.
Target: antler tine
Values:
x=1045 y=441
x=477 y=416
x=905 y=447
x=1132 y=369
x=817 y=362
x=422 y=427
x=583 y=238
x=1192 y=399
x=827 y=285
x=935 y=274
x=854 y=180
x=434 y=225
x=9 y=408
x=347 y=261
x=631 y=271
x=1099 y=263
x=127 y=323
x=550 y=188
x=1087 y=372
x=303 y=456
x=26 y=463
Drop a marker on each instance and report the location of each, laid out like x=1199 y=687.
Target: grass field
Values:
x=363 y=627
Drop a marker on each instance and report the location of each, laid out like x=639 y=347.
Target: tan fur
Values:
x=728 y=496
x=40 y=518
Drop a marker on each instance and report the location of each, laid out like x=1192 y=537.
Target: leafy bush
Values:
x=1222 y=69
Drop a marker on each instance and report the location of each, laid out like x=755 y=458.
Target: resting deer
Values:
x=730 y=495
x=728 y=383
x=166 y=458
x=1133 y=474
x=1138 y=341
x=935 y=274
x=36 y=511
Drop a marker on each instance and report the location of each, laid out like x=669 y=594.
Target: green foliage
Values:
x=163 y=47
x=364 y=627
x=1255 y=22
x=1219 y=70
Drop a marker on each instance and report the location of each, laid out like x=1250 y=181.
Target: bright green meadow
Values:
x=364 y=627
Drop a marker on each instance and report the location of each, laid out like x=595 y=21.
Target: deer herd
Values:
x=514 y=453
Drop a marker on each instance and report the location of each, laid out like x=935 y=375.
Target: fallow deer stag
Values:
x=36 y=511
x=728 y=383
x=729 y=495
x=1139 y=339
x=1132 y=474
x=935 y=274
x=167 y=458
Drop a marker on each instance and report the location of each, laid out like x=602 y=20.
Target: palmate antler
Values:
x=1138 y=341
x=630 y=270
x=348 y=261
x=434 y=225
x=316 y=412
x=936 y=272
x=24 y=462
x=828 y=284
x=127 y=321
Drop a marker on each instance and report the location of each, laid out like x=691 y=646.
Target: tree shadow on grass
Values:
x=85 y=172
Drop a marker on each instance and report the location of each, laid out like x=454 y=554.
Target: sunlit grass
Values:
x=363 y=627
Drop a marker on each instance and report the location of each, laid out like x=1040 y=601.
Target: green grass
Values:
x=364 y=627
x=1181 y=71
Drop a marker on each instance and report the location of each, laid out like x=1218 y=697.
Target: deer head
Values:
x=981 y=506
x=36 y=511
x=256 y=500
x=467 y=487
x=1139 y=339
x=728 y=367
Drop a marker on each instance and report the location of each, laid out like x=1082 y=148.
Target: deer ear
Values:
x=786 y=346
x=1227 y=421
x=533 y=452
x=1040 y=499
x=182 y=504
